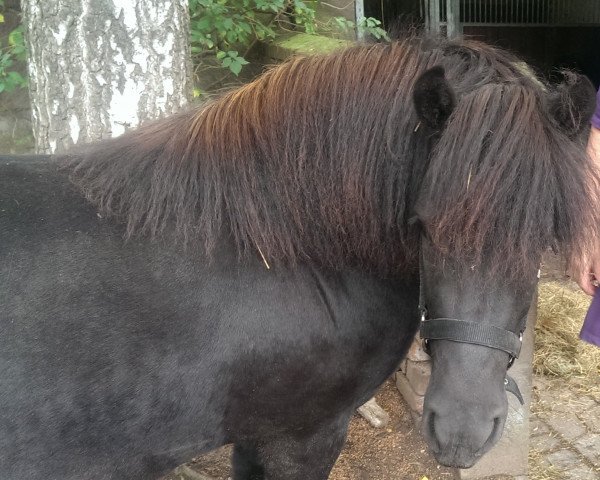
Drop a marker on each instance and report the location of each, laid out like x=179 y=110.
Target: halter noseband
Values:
x=463 y=331
x=471 y=332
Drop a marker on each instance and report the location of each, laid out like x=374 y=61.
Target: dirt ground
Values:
x=397 y=452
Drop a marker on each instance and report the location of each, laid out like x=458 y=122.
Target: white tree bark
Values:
x=100 y=67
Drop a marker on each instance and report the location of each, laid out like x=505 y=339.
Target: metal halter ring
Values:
x=512 y=358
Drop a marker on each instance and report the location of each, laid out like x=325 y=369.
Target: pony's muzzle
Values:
x=459 y=439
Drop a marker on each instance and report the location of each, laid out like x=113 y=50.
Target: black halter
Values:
x=463 y=331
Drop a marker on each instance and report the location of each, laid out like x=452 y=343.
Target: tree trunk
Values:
x=100 y=67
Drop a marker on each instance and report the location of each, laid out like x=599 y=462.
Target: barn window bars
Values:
x=543 y=13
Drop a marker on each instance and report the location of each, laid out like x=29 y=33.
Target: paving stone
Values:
x=591 y=417
x=581 y=473
x=552 y=399
x=589 y=447
x=537 y=427
x=544 y=443
x=582 y=404
x=568 y=425
x=564 y=459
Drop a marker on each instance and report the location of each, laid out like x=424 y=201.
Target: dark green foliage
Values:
x=224 y=27
x=13 y=51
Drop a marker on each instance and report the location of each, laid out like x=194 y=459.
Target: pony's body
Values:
x=127 y=358
x=268 y=278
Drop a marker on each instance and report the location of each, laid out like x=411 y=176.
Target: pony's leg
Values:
x=304 y=457
x=246 y=465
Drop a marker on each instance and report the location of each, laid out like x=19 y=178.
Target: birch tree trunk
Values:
x=100 y=67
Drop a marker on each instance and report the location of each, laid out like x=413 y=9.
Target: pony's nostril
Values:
x=494 y=436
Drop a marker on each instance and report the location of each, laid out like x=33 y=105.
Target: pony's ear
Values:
x=572 y=103
x=433 y=97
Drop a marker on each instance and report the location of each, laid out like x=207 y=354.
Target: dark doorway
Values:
x=548 y=49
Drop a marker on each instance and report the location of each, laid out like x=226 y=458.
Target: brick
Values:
x=374 y=414
x=589 y=447
x=418 y=374
x=568 y=426
x=414 y=401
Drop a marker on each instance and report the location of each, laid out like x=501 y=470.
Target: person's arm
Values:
x=588 y=279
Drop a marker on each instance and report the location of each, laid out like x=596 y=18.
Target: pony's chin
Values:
x=457 y=459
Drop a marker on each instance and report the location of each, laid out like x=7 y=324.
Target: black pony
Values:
x=248 y=272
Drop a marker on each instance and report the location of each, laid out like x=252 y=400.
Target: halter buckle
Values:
x=512 y=358
x=425 y=341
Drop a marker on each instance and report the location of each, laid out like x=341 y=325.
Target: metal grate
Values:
x=524 y=12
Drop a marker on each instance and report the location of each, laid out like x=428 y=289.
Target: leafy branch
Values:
x=227 y=29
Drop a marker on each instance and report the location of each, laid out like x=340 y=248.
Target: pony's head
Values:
x=508 y=178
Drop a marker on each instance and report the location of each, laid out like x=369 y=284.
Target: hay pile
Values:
x=559 y=353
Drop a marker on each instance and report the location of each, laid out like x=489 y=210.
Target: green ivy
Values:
x=14 y=51
x=224 y=28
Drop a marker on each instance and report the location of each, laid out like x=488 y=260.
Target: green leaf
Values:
x=236 y=68
x=231 y=36
x=16 y=37
x=202 y=24
x=17 y=78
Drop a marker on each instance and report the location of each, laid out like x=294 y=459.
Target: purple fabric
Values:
x=590 y=332
x=596 y=117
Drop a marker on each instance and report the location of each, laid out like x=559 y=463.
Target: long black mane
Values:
x=324 y=159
